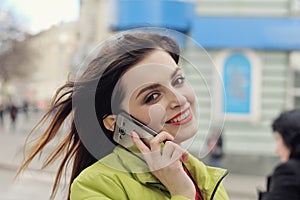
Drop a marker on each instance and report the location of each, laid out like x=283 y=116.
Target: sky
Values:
x=42 y=14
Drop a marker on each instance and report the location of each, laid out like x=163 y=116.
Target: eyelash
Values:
x=150 y=98
x=181 y=78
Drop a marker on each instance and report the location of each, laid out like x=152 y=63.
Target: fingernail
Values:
x=186 y=157
x=133 y=134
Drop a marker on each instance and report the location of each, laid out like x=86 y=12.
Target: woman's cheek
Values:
x=157 y=117
x=190 y=94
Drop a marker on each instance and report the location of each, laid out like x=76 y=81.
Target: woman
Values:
x=285 y=181
x=136 y=73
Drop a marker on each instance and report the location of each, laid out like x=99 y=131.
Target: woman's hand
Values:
x=165 y=163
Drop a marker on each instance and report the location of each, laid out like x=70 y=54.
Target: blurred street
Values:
x=32 y=184
x=35 y=184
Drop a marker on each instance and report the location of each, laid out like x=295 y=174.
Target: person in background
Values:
x=2 y=110
x=284 y=183
x=121 y=78
x=13 y=111
x=25 y=108
x=215 y=144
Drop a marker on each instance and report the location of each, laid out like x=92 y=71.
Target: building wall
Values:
x=242 y=136
x=93 y=25
x=54 y=49
x=264 y=8
x=248 y=143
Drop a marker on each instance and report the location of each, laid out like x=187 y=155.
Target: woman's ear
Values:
x=109 y=122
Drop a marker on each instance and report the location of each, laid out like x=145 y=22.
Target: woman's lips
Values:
x=181 y=118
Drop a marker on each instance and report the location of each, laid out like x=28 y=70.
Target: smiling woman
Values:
x=121 y=79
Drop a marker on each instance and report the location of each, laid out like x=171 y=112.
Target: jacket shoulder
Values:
x=285 y=181
x=288 y=169
x=97 y=181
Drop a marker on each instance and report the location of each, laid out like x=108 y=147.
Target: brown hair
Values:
x=95 y=86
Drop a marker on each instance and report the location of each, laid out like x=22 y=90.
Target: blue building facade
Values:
x=216 y=32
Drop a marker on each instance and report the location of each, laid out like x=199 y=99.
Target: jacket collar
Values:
x=207 y=178
x=135 y=164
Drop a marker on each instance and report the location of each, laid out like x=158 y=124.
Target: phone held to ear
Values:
x=125 y=124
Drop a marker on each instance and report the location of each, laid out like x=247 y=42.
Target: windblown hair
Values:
x=95 y=85
x=288 y=126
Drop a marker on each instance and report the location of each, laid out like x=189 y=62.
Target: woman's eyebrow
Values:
x=175 y=72
x=150 y=87
x=156 y=85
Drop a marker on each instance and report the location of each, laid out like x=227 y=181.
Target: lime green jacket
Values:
x=122 y=175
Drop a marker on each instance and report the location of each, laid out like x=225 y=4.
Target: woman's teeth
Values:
x=181 y=117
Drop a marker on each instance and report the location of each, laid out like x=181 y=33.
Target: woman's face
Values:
x=157 y=94
x=281 y=149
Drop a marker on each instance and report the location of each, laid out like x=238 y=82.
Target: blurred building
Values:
x=255 y=40
x=93 y=27
x=53 y=52
x=250 y=69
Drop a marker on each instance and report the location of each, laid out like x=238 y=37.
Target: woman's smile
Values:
x=181 y=118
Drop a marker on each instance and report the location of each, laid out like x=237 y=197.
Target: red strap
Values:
x=198 y=194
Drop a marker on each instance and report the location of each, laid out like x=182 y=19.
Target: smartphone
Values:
x=125 y=123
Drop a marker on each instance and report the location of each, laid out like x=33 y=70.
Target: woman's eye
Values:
x=179 y=81
x=151 y=97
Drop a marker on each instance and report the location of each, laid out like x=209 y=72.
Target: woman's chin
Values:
x=184 y=135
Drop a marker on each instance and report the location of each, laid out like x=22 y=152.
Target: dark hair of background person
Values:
x=114 y=59
x=288 y=126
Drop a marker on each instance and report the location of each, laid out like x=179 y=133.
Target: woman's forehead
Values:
x=148 y=74
x=158 y=61
x=150 y=69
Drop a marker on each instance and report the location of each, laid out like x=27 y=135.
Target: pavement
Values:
x=37 y=184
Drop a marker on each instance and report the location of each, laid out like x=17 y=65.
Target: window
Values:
x=240 y=92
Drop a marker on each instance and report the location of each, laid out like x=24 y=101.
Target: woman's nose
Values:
x=177 y=99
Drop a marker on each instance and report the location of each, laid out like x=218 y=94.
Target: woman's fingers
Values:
x=178 y=153
x=155 y=143
x=159 y=157
x=164 y=162
x=139 y=143
x=185 y=157
x=169 y=154
x=168 y=150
